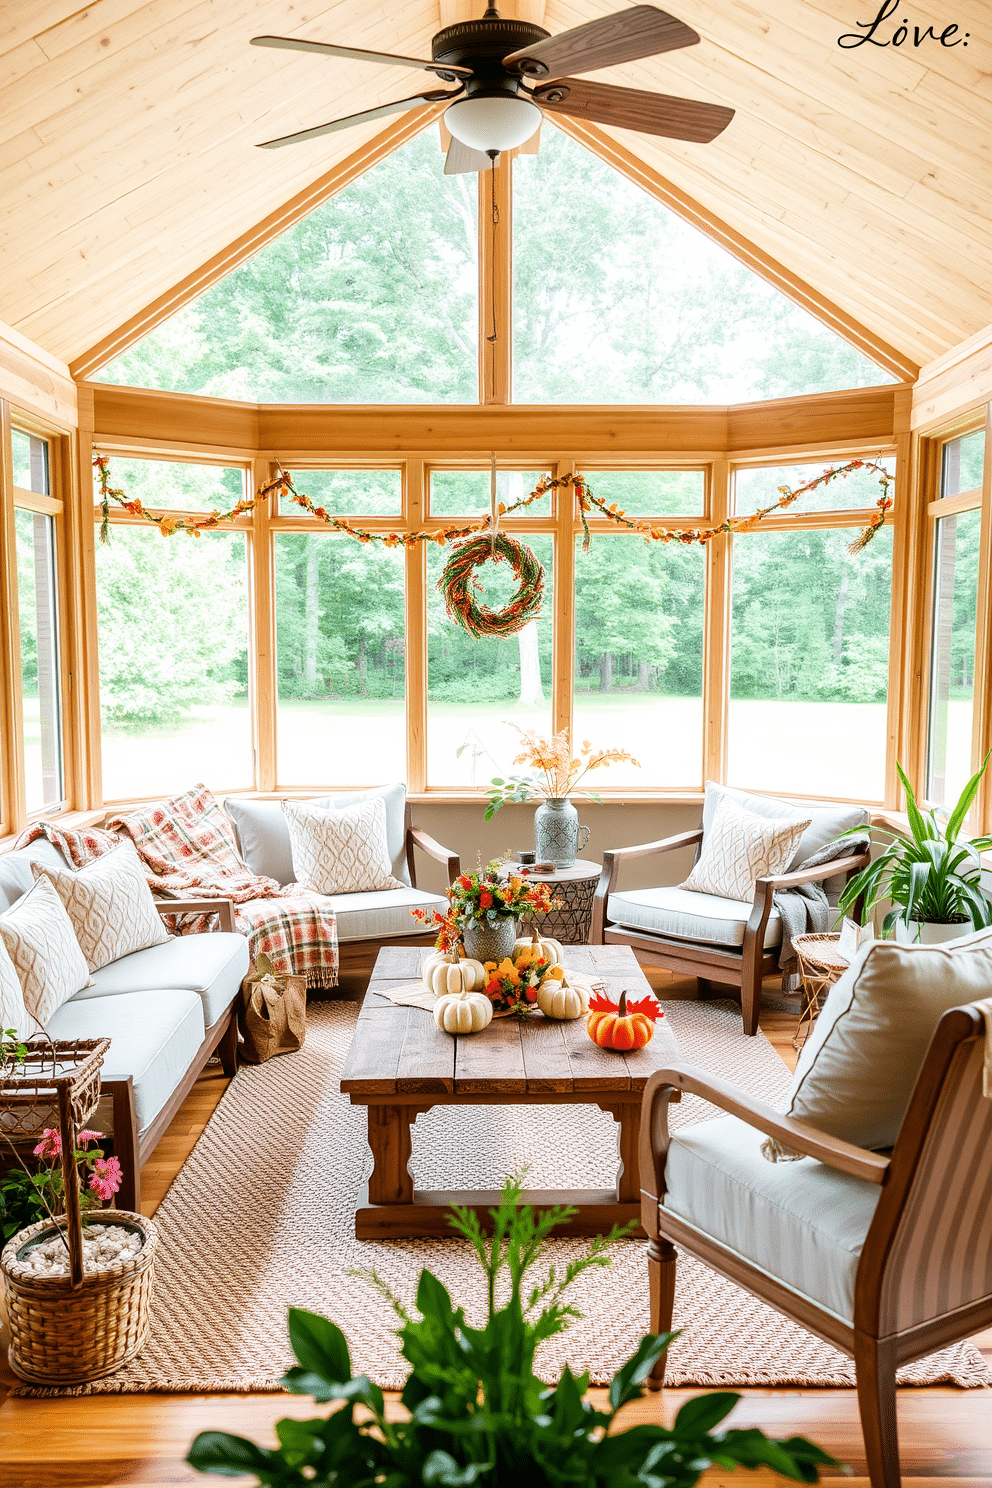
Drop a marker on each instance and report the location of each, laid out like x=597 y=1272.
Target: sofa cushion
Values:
x=684 y=914
x=16 y=875
x=42 y=944
x=858 y=1067
x=13 y=1013
x=263 y=835
x=826 y=822
x=154 y=1037
x=212 y=965
x=382 y=914
x=340 y=852
x=110 y=905
x=803 y=1223
x=741 y=847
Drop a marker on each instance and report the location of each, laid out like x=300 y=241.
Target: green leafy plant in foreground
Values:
x=931 y=875
x=476 y=1412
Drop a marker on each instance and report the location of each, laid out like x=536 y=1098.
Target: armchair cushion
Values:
x=857 y=1069
x=382 y=914
x=826 y=822
x=263 y=834
x=683 y=914
x=803 y=1223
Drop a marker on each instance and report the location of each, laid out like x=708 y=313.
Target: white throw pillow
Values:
x=110 y=905
x=340 y=852
x=741 y=847
x=13 y=1013
x=826 y=823
x=858 y=1067
x=42 y=944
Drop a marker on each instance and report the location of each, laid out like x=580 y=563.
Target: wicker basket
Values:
x=29 y=1095
x=60 y=1335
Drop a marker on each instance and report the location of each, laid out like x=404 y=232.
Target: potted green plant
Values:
x=932 y=877
x=476 y=1413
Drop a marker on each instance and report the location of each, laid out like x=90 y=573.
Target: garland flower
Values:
x=481 y=899
x=164 y=521
x=556 y=771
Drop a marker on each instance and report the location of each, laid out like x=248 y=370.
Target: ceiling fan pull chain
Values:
x=494 y=215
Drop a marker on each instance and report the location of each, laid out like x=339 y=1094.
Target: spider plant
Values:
x=931 y=876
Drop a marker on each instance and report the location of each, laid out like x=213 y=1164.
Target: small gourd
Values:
x=449 y=973
x=613 y=1027
x=463 y=1012
x=557 y=999
x=544 y=949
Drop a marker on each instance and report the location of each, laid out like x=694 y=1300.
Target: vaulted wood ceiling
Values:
x=127 y=135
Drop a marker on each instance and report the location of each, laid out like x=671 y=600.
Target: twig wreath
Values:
x=487 y=542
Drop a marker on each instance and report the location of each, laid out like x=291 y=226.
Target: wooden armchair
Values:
x=743 y=964
x=905 y=1242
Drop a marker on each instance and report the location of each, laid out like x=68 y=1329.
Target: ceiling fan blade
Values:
x=461 y=160
x=355 y=54
x=399 y=107
x=642 y=31
x=629 y=108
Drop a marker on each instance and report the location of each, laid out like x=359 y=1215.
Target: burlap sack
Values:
x=273 y=1014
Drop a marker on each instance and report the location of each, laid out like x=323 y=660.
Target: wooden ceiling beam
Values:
x=272 y=226
x=810 y=299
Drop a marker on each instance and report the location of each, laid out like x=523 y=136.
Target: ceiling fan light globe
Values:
x=493 y=122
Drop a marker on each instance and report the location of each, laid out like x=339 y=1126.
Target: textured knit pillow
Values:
x=110 y=905
x=340 y=852
x=741 y=847
x=859 y=1065
x=42 y=944
x=13 y=1013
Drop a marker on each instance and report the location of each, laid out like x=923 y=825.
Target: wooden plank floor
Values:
x=141 y=1440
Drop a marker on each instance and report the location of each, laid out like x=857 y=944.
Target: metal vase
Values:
x=556 y=832
x=492 y=941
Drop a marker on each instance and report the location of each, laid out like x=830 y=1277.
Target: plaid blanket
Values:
x=189 y=850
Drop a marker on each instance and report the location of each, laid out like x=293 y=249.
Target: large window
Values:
x=36 y=512
x=341 y=661
x=956 y=539
x=173 y=641
x=639 y=657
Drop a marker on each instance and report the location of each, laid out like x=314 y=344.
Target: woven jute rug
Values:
x=261 y=1218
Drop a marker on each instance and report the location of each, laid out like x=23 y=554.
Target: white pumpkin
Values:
x=548 y=949
x=559 y=1000
x=441 y=974
x=463 y=1012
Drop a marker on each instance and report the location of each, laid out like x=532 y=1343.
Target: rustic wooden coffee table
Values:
x=401 y=1064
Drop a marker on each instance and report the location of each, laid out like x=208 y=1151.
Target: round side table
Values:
x=820 y=965
x=576 y=888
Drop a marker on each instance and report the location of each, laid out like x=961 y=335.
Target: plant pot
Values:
x=931 y=932
x=62 y=1336
x=490 y=942
x=556 y=832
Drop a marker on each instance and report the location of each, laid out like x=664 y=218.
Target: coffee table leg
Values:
x=628 y=1117
x=389 y=1137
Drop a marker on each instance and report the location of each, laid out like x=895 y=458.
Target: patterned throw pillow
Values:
x=13 y=1013
x=741 y=847
x=340 y=852
x=42 y=944
x=110 y=905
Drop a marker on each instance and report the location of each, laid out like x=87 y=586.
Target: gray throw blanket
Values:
x=805 y=910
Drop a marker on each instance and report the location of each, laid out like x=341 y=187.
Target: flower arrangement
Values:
x=555 y=770
x=511 y=985
x=480 y=899
x=26 y=1197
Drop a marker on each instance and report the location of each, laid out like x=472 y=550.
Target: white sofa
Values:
x=166 y=1011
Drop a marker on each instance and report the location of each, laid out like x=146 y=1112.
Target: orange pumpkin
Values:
x=621 y=1028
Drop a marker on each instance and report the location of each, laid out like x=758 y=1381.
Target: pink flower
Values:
x=106 y=1179
x=85 y=1137
x=50 y=1144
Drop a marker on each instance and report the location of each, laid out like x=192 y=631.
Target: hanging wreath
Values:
x=460 y=588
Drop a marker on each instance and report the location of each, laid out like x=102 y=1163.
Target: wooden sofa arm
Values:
x=222 y=908
x=667 y=1085
x=417 y=837
x=612 y=859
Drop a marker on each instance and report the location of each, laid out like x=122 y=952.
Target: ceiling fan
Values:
x=493 y=108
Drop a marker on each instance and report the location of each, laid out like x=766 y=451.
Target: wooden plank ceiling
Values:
x=127 y=132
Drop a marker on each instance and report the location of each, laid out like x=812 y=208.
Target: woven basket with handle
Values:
x=66 y=1335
